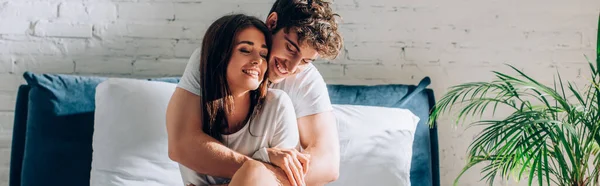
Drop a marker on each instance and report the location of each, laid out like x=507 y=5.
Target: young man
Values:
x=302 y=32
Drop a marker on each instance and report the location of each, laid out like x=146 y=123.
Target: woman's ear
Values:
x=272 y=21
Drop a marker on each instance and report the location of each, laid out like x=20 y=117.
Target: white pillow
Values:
x=130 y=136
x=375 y=144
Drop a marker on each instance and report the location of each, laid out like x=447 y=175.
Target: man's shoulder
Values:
x=311 y=73
x=190 y=80
x=309 y=77
x=308 y=92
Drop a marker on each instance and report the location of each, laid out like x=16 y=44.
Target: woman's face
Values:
x=248 y=62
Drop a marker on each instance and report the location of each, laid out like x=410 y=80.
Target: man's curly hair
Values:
x=315 y=23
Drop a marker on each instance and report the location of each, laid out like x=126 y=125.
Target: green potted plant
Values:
x=551 y=135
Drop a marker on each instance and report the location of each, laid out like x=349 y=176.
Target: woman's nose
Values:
x=257 y=60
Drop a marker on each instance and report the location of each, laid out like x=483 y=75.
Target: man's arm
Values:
x=190 y=146
x=319 y=138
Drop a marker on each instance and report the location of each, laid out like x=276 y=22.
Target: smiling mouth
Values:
x=251 y=72
x=280 y=68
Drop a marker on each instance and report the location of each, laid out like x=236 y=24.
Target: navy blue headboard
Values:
x=419 y=100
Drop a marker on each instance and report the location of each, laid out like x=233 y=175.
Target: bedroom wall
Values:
x=386 y=41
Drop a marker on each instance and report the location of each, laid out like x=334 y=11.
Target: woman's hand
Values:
x=292 y=162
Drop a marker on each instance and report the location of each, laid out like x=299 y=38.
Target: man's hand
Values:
x=293 y=163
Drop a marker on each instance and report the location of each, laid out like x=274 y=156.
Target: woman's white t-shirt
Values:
x=274 y=126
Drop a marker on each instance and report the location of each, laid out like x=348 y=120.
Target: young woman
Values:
x=237 y=108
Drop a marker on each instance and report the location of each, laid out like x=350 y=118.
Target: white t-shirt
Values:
x=307 y=89
x=275 y=126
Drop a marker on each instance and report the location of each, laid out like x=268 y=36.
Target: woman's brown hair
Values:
x=217 y=48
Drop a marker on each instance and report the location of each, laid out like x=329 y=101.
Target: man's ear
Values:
x=272 y=21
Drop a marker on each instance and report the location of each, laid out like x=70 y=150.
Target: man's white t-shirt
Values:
x=275 y=125
x=307 y=89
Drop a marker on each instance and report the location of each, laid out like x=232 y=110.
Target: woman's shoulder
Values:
x=278 y=97
x=271 y=92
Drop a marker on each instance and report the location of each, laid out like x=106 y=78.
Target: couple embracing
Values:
x=251 y=108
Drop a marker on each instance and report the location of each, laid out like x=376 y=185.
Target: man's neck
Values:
x=270 y=84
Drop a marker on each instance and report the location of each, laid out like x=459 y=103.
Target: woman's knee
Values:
x=253 y=168
x=254 y=173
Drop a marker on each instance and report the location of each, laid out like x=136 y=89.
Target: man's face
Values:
x=287 y=56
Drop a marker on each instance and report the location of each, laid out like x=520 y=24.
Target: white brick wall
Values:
x=12 y=26
x=62 y=30
x=387 y=41
x=146 y=11
x=87 y=11
x=31 y=10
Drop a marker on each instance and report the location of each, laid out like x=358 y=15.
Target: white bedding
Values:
x=376 y=145
x=130 y=141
